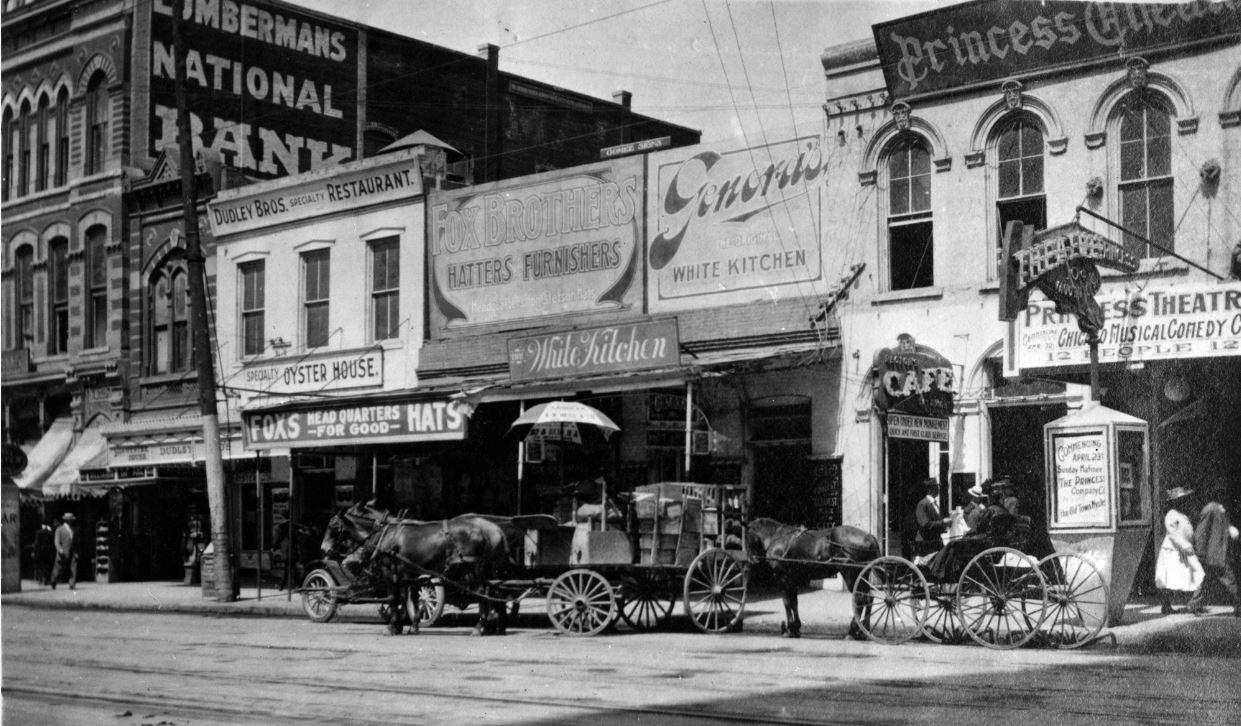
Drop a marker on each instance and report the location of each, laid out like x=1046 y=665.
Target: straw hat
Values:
x=68 y=517
x=1177 y=493
x=975 y=491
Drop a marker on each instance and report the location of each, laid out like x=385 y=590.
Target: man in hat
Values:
x=1003 y=493
x=66 y=552
x=1212 y=541
x=930 y=522
x=977 y=504
x=44 y=553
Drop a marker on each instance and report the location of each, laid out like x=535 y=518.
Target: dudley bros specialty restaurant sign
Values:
x=335 y=425
x=544 y=246
x=988 y=41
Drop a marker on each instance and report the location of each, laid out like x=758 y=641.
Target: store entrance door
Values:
x=910 y=461
x=783 y=482
x=1017 y=450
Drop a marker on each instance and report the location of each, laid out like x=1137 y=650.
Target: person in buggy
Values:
x=995 y=526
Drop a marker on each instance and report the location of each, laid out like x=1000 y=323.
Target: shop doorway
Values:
x=783 y=475
x=1017 y=450
x=910 y=461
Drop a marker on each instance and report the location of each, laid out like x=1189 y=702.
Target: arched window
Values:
x=10 y=154
x=43 y=155
x=58 y=296
x=168 y=347
x=62 y=138
x=911 y=249
x=24 y=151
x=1145 y=186
x=1019 y=175
x=24 y=272
x=96 y=123
x=97 y=286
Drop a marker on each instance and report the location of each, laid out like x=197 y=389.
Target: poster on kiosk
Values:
x=1099 y=493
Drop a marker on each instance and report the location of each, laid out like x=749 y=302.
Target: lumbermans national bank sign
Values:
x=981 y=42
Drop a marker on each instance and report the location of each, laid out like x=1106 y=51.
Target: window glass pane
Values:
x=920 y=193
x=1031 y=140
x=1159 y=156
x=161 y=302
x=180 y=347
x=1007 y=146
x=1130 y=125
x=1158 y=122
x=1009 y=179
x=252 y=331
x=162 y=341
x=379 y=269
x=382 y=317
x=1130 y=160
x=1032 y=175
x=898 y=163
x=99 y=319
x=316 y=325
x=919 y=160
x=178 y=297
x=898 y=195
x=911 y=256
x=394 y=266
x=1161 y=214
x=96 y=240
x=1133 y=217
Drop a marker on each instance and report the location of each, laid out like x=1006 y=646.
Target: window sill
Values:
x=99 y=350
x=900 y=296
x=156 y=379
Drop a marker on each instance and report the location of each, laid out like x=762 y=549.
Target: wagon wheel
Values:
x=319 y=596
x=715 y=591
x=943 y=624
x=430 y=606
x=890 y=600
x=581 y=602
x=1001 y=598
x=1077 y=600
x=645 y=600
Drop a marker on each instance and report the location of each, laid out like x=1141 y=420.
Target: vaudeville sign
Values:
x=914 y=379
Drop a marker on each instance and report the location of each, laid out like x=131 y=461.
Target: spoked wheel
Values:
x=1077 y=600
x=581 y=602
x=715 y=591
x=430 y=603
x=645 y=600
x=319 y=596
x=943 y=624
x=890 y=600
x=1001 y=598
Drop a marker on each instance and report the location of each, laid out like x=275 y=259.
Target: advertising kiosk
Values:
x=1099 y=493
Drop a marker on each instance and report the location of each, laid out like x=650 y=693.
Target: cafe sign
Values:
x=914 y=379
x=604 y=349
x=333 y=373
x=989 y=40
x=345 y=424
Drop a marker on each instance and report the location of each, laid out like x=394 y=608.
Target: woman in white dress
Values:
x=1177 y=568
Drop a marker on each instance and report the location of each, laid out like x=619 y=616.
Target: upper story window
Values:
x=316 y=274
x=168 y=312
x=385 y=288
x=58 y=296
x=43 y=144
x=96 y=123
x=1145 y=187
x=62 y=138
x=1019 y=171
x=97 y=285
x=10 y=155
x=23 y=152
x=253 y=298
x=911 y=249
x=24 y=272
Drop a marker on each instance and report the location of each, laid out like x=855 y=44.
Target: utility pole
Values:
x=197 y=273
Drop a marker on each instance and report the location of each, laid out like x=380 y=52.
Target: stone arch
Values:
x=888 y=133
x=52 y=231
x=999 y=112
x=1230 y=111
x=172 y=244
x=22 y=238
x=97 y=62
x=976 y=374
x=62 y=83
x=1178 y=99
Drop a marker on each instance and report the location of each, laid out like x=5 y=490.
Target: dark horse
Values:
x=468 y=551
x=796 y=555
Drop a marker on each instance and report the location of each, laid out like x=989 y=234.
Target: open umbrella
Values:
x=562 y=421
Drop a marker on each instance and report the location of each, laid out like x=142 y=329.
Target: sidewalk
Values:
x=824 y=612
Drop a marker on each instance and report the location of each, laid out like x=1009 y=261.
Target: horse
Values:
x=467 y=548
x=795 y=555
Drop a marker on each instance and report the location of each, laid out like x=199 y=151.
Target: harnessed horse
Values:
x=795 y=555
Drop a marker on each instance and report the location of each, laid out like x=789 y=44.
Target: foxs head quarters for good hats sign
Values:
x=732 y=226
x=271 y=90
x=538 y=247
x=989 y=40
x=346 y=424
x=915 y=380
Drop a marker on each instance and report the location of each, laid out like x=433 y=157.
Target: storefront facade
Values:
x=941 y=159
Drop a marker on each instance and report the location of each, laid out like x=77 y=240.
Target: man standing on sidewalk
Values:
x=1212 y=541
x=66 y=552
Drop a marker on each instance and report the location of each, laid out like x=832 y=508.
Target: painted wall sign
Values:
x=914 y=379
x=728 y=224
x=1190 y=321
x=271 y=90
x=329 y=192
x=333 y=373
x=337 y=425
x=921 y=428
x=1081 y=494
x=989 y=40
x=123 y=453
x=615 y=348
x=635 y=147
x=537 y=247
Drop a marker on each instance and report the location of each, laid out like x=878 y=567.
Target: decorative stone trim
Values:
x=113 y=247
x=1055 y=147
x=1095 y=139
x=942 y=164
x=975 y=159
x=1186 y=126
x=1228 y=119
x=76 y=255
x=867 y=178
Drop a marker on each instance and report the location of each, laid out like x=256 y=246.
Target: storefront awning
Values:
x=43 y=458
x=90 y=451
